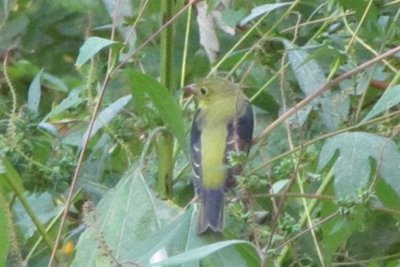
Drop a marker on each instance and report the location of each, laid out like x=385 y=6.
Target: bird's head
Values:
x=212 y=90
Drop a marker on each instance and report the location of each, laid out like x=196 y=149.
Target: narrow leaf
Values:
x=390 y=98
x=260 y=10
x=55 y=83
x=90 y=48
x=108 y=114
x=167 y=107
x=73 y=99
x=34 y=93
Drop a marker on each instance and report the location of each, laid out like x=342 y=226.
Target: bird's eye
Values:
x=203 y=90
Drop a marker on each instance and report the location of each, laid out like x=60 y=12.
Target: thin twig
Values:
x=324 y=220
x=107 y=79
x=324 y=88
x=292 y=194
x=82 y=153
x=156 y=33
x=322 y=137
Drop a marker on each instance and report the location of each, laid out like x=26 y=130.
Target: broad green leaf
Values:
x=107 y=114
x=90 y=48
x=34 y=93
x=5 y=240
x=263 y=100
x=231 y=17
x=310 y=77
x=127 y=215
x=201 y=252
x=338 y=229
x=390 y=98
x=10 y=30
x=164 y=102
x=360 y=8
x=167 y=237
x=379 y=237
x=260 y=10
x=352 y=168
x=180 y=236
x=387 y=196
x=73 y=99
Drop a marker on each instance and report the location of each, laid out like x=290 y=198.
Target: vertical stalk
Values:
x=165 y=144
x=167 y=68
x=165 y=164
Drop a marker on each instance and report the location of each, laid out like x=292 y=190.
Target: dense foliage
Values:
x=94 y=162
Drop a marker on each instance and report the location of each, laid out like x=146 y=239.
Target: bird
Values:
x=222 y=126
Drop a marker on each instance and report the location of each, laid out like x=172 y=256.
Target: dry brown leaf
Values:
x=208 y=23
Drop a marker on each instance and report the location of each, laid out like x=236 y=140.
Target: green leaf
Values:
x=180 y=236
x=90 y=48
x=9 y=177
x=127 y=215
x=73 y=99
x=390 y=98
x=169 y=236
x=379 y=237
x=260 y=10
x=34 y=93
x=10 y=30
x=360 y=7
x=55 y=83
x=107 y=114
x=337 y=230
x=201 y=252
x=231 y=17
x=44 y=208
x=310 y=77
x=352 y=168
x=387 y=196
x=263 y=100
x=2 y=168
x=168 y=109
x=5 y=241
x=124 y=10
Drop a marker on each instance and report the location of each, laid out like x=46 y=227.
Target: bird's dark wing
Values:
x=240 y=135
x=244 y=129
x=195 y=145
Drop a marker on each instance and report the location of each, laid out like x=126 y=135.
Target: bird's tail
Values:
x=211 y=210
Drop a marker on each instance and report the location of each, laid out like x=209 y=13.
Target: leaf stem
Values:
x=11 y=175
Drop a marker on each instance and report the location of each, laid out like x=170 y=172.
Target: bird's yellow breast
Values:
x=213 y=143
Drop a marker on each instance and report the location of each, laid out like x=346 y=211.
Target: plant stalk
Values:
x=165 y=144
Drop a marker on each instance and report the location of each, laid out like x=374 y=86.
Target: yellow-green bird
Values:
x=222 y=126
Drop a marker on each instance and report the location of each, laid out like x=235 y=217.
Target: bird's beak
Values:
x=189 y=90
